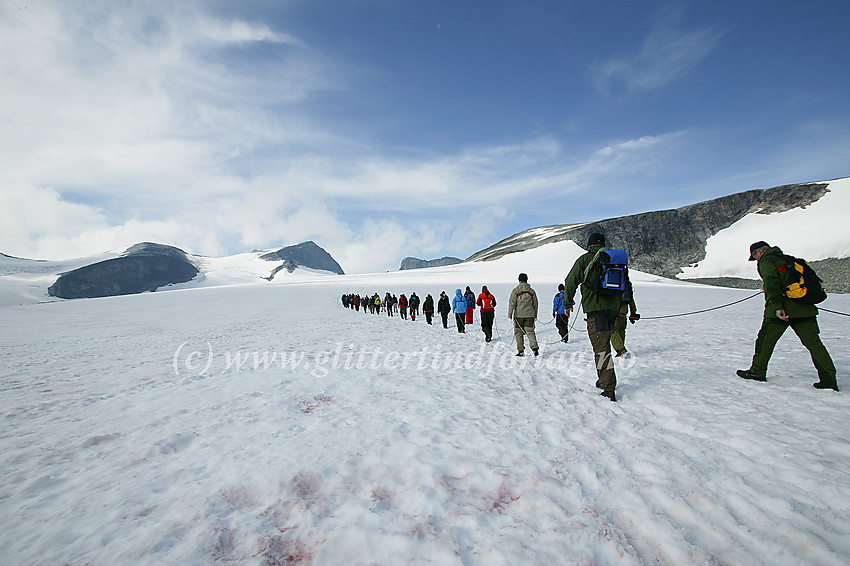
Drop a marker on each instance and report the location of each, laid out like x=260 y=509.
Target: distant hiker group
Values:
x=390 y=304
x=791 y=290
x=463 y=305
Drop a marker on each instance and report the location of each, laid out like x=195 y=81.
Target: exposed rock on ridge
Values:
x=142 y=267
x=416 y=263
x=664 y=241
x=305 y=254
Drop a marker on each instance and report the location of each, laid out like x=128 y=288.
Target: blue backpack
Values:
x=608 y=273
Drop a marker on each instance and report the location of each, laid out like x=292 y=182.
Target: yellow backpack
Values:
x=805 y=285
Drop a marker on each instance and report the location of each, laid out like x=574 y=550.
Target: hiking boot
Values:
x=598 y=384
x=520 y=354
x=621 y=352
x=610 y=395
x=566 y=339
x=536 y=351
x=826 y=385
x=747 y=374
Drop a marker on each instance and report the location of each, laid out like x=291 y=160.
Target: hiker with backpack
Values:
x=601 y=305
x=459 y=308
x=469 y=295
x=413 y=304
x=559 y=313
x=522 y=309
x=487 y=302
x=428 y=308
x=444 y=307
x=628 y=311
x=791 y=290
x=402 y=306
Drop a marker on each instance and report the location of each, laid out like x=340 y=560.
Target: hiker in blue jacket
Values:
x=562 y=319
x=459 y=308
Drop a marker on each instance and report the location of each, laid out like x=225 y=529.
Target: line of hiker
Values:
x=390 y=304
x=791 y=288
x=462 y=305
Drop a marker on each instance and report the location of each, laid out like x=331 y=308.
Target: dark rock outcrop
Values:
x=416 y=263
x=143 y=267
x=306 y=254
x=286 y=264
x=663 y=242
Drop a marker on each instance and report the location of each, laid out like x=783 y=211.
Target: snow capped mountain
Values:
x=709 y=241
x=816 y=231
x=139 y=269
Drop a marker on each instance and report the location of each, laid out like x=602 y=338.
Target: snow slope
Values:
x=818 y=231
x=24 y=281
x=265 y=424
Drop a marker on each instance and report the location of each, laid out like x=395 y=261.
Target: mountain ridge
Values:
x=667 y=242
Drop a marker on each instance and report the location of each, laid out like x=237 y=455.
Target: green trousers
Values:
x=598 y=330
x=807 y=330
x=618 y=336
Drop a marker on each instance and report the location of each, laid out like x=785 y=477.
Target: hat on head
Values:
x=523 y=277
x=757 y=245
x=596 y=238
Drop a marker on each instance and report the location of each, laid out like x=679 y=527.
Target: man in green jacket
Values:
x=780 y=312
x=522 y=309
x=602 y=312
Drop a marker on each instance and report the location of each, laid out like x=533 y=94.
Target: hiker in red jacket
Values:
x=402 y=306
x=487 y=302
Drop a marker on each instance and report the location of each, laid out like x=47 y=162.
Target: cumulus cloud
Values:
x=158 y=122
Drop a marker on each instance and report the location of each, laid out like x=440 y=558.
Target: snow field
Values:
x=110 y=456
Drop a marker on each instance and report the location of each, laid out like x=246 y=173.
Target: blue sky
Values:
x=382 y=129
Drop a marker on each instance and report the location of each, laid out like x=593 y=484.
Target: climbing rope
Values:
x=703 y=310
x=833 y=312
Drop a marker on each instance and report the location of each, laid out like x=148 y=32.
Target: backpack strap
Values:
x=592 y=263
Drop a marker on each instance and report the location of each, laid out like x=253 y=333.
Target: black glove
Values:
x=634 y=317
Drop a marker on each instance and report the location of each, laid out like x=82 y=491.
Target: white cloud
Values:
x=667 y=54
x=242 y=32
x=147 y=123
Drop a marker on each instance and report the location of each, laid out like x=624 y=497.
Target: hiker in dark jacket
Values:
x=601 y=310
x=780 y=312
x=413 y=304
x=444 y=307
x=428 y=308
x=469 y=295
